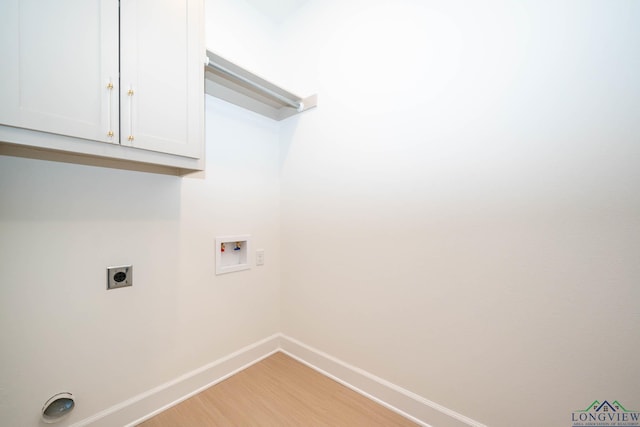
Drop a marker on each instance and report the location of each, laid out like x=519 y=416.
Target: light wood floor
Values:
x=277 y=391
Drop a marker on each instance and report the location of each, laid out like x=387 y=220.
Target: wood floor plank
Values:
x=278 y=391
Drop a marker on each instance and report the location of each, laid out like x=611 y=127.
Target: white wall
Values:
x=461 y=214
x=468 y=229
x=61 y=225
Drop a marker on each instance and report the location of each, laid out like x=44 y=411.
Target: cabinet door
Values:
x=57 y=59
x=162 y=75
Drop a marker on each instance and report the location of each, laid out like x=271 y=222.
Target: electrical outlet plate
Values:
x=119 y=277
x=259 y=256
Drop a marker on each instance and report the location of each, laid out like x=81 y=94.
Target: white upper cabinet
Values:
x=58 y=58
x=161 y=75
x=76 y=74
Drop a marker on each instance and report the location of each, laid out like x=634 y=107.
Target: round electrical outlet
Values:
x=119 y=277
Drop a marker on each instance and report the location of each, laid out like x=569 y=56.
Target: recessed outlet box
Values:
x=119 y=277
x=232 y=253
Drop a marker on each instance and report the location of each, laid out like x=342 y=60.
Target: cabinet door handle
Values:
x=130 y=94
x=109 y=104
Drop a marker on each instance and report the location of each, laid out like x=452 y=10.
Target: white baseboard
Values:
x=410 y=405
x=144 y=406
x=147 y=404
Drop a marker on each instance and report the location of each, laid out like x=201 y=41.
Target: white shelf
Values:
x=234 y=84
